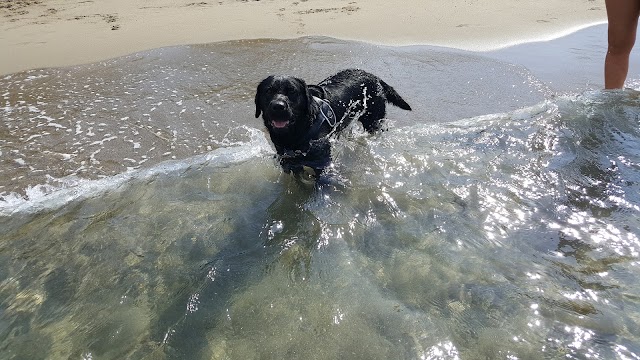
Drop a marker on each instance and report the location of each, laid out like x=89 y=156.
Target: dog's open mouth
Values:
x=279 y=124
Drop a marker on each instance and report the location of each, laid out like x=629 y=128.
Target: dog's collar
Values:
x=326 y=113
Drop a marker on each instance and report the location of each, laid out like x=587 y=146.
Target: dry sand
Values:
x=46 y=33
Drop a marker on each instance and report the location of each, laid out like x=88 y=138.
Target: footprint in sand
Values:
x=345 y=9
x=202 y=3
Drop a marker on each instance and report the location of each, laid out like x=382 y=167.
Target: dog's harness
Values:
x=326 y=113
x=291 y=159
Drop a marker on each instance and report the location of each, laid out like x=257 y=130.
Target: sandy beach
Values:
x=50 y=33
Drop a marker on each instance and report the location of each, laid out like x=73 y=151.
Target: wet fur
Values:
x=289 y=113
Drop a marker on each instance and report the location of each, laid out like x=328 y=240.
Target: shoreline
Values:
x=40 y=33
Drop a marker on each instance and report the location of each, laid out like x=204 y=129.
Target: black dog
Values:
x=300 y=118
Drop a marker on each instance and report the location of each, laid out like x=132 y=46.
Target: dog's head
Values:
x=285 y=104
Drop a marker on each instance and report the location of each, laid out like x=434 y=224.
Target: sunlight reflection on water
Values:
x=503 y=235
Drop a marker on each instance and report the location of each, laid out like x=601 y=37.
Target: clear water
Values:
x=498 y=220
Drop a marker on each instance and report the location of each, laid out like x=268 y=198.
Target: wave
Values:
x=62 y=191
x=543 y=125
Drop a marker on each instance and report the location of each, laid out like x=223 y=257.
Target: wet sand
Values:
x=51 y=33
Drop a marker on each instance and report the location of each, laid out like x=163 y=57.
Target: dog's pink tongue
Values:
x=279 y=124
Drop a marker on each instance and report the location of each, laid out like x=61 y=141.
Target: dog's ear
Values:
x=317 y=91
x=310 y=102
x=262 y=88
x=303 y=90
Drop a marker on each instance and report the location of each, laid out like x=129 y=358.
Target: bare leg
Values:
x=623 y=22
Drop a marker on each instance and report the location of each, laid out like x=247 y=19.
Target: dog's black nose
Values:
x=278 y=106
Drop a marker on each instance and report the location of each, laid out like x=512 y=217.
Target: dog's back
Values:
x=357 y=94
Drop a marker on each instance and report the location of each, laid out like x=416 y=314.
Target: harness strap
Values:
x=316 y=154
x=326 y=112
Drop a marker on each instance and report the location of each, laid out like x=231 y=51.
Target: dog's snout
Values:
x=278 y=105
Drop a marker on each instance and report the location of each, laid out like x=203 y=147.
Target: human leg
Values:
x=623 y=22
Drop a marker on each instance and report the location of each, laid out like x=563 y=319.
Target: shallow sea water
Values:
x=144 y=217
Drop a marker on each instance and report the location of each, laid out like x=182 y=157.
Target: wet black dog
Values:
x=300 y=118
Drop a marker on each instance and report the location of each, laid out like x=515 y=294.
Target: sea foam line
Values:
x=45 y=197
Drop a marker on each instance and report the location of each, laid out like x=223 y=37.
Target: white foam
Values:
x=497 y=45
x=47 y=197
x=492 y=44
